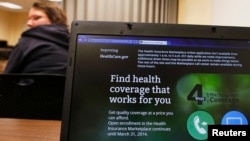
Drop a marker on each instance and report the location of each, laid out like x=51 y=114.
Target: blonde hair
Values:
x=53 y=11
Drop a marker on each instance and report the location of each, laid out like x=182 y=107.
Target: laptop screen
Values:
x=147 y=82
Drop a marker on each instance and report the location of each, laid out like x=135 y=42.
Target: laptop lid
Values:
x=147 y=82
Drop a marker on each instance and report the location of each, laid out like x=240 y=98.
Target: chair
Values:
x=31 y=96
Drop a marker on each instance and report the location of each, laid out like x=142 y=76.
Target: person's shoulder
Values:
x=49 y=27
x=47 y=34
x=47 y=31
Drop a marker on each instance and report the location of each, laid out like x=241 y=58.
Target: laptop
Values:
x=154 y=82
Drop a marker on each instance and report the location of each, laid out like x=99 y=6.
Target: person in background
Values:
x=43 y=48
